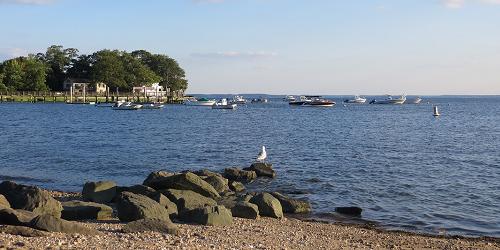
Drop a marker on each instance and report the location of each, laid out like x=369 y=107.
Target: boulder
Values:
x=210 y=216
x=151 y=225
x=81 y=210
x=205 y=172
x=100 y=191
x=132 y=207
x=50 y=223
x=236 y=174
x=165 y=202
x=9 y=216
x=236 y=186
x=245 y=210
x=220 y=184
x=185 y=181
x=354 y=211
x=187 y=200
x=30 y=198
x=262 y=169
x=22 y=231
x=292 y=206
x=155 y=176
x=268 y=205
x=137 y=189
x=4 y=203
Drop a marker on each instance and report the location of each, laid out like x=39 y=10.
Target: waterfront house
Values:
x=99 y=88
x=155 y=90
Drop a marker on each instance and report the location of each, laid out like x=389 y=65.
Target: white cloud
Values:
x=32 y=2
x=236 y=55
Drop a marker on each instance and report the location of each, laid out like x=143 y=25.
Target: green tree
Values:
x=81 y=67
x=137 y=73
x=13 y=74
x=59 y=61
x=3 y=88
x=108 y=68
x=35 y=73
x=172 y=75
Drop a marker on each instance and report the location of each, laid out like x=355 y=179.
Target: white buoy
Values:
x=436 y=111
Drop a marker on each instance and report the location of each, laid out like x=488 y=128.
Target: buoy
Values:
x=436 y=111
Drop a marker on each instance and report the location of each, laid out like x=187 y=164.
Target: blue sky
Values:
x=281 y=46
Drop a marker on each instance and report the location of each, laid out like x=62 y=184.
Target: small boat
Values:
x=302 y=100
x=199 y=102
x=390 y=100
x=223 y=104
x=260 y=100
x=154 y=105
x=127 y=106
x=238 y=100
x=357 y=99
x=289 y=98
x=415 y=100
x=436 y=111
x=319 y=102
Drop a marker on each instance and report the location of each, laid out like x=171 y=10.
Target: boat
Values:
x=127 y=106
x=289 y=98
x=319 y=102
x=199 y=102
x=238 y=100
x=107 y=104
x=357 y=99
x=260 y=100
x=302 y=100
x=154 y=105
x=390 y=100
x=415 y=100
x=436 y=111
x=223 y=104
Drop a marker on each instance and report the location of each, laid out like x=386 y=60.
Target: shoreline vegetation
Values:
x=191 y=209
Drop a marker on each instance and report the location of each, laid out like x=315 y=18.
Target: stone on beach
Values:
x=151 y=225
x=187 y=199
x=245 y=210
x=165 y=202
x=136 y=189
x=268 y=205
x=50 y=223
x=4 y=203
x=155 y=176
x=22 y=231
x=292 y=206
x=262 y=169
x=210 y=216
x=354 y=211
x=100 y=191
x=219 y=183
x=131 y=207
x=15 y=217
x=236 y=174
x=205 y=172
x=185 y=181
x=81 y=210
x=236 y=186
x=30 y=198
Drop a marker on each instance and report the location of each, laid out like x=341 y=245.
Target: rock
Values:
x=245 y=210
x=154 y=176
x=354 y=211
x=210 y=216
x=23 y=231
x=268 y=205
x=220 y=184
x=228 y=201
x=186 y=181
x=187 y=200
x=236 y=174
x=9 y=216
x=81 y=210
x=292 y=206
x=205 y=172
x=152 y=225
x=165 y=202
x=236 y=186
x=131 y=207
x=4 y=203
x=137 y=189
x=30 y=198
x=100 y=191
x=262 y=169
x=50 y=223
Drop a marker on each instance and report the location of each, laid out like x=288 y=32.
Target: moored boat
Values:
x=127 y=106
x=319 y=102
x=260 y=100
x=390 y=100
x=223 y=104
x=154 y=105
x=302 y=100
x=415 y=100
x=289 y=98
x=238 y=100
x=357 y=99
x=199 y=102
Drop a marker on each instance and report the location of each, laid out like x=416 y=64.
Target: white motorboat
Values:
x=415 y=100
x=223 y=104
x=199 y=102
x=357 y=99
x=289 y=98
x=390 y=100
x=302 y=100
x=127 y=106
x=154 y=105
x=260 y=100
x=238 y=100
x=319 y=102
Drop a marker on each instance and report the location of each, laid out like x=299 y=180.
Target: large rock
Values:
x=354 y=211
x=81 y=210
x=23 y=231
x=133 y=207
x=100 y=191
x=210 y=216
x=137 y=189
x=50 y=223
x=292 y=206
x=30 y=198
x=220 y=184
x=268 y=205
x=205 y=172
x=236 y=174
x=9 y=216
x=4 y=203
x=151 y=225
x=185 y=181
x=153 y=177
x=236 y=186
x=187 y=200
x=262 y=169
x=165 y=202
x=245 y=210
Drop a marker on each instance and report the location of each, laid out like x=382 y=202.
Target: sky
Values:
x=329 y=47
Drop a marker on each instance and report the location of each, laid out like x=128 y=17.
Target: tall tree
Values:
x=59 y=61
x=13 y=74
x=172 y=75
x=137 y=73
x=35 y=73
x=81 y=67
x=108 y=68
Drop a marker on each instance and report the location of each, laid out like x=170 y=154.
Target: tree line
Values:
x=117 y=69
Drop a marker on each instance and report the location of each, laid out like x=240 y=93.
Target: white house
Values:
x=154 y=90
x=78 y=84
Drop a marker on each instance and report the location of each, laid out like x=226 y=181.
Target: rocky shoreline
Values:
x=192 y=209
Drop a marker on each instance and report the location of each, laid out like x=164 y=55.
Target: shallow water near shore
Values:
x=407 y=169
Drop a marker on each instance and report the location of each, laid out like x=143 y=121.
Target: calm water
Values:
x=405 y=168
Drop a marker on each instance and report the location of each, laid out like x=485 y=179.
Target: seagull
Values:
x=262 y=155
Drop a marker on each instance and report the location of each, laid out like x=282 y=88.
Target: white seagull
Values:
x=262 y=155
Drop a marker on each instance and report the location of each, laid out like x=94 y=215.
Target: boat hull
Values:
x=229 y=106
x=206 y=104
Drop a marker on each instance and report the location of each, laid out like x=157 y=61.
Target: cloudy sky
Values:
x=281 y=46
